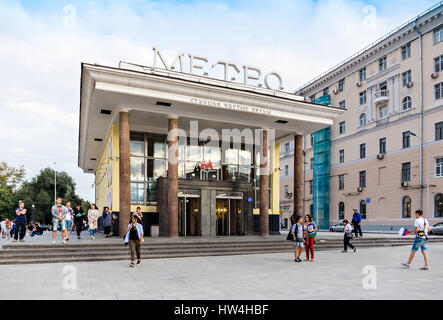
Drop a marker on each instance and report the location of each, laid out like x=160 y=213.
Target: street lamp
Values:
x=32 y=211
x=427 y=173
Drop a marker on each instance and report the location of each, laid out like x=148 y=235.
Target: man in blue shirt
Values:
x=356 y=221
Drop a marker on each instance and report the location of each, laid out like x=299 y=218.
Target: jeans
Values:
x=421 y=243
x=92 y=232
x=68 y=224
x=310 y=247
x=347 y=242
x=357 y=230
x=20 y=227
x=33 y=233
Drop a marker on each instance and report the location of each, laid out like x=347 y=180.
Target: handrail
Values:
x=373 y=44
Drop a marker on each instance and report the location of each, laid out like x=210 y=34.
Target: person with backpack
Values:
x=421 y=229
x=297 y=236
x=347 y=230
x=309 y=234
x=356 y=222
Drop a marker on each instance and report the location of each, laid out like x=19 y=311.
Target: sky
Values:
x=42 y=44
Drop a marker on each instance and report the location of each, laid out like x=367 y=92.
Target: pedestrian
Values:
x=297 y=235
x=139 y=214
x=421 y=230
x=107 y=221
x=134 y=237
x=8 y=228
x=347 y=230
x=309 y=234
x=12 y=229
x=356 y=222
x=3 y=228
x=79 y=217
x=36 y=230
x=58 y=219
x=69 y=216
x=92 y=220
x=20 y=222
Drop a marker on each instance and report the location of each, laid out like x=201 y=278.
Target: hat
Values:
x=20 y=202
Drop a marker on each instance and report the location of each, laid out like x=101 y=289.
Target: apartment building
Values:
x=386 y=150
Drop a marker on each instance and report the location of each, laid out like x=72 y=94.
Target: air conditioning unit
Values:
x=434 y=75
x=359 y=189
x=404 y=184
x=358 y=84
x=410 y=84
x=335 y=91
x=380 y=156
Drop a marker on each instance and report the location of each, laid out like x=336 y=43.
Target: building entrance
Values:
x=189 y=213
x=229 y=213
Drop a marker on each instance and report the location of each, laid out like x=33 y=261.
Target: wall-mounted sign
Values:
x=231 y=72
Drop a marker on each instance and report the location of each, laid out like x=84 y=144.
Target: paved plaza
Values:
x=334 y=275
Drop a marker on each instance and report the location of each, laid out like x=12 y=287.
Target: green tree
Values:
x=10 y=180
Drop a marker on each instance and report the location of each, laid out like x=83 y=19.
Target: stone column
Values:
x=124 y=171
x=173 y=178
x=298 y=175
x=264 y=186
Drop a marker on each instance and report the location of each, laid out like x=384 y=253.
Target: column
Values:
x=264 y=186
x=173 y=177
x=298 y=175
x=124 y=171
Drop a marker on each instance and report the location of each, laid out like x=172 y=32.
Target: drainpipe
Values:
x=303 y=174
x=421 y=111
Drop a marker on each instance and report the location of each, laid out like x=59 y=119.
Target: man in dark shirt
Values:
x=79 y=216
x=20 y=222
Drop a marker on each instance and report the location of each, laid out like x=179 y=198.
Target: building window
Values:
x=362 y=179
x=326 y=91
x=383 y=112
x=362 y=150
x=342 y=104
x=341 y=155
x=312 y=163
x=362 y=119
x=382 y=64
x=286 y=170
x=311 y=186
x=406 y=139
x=439 y=131
x=438 y=35
x=406 y=77
x=341 y=182
x=406 y=51
x=287 y=147
x=438 y=172
x=363 y=209
x=406 y=207
x=363 y=97
x=406 y=172
x=362 y=74
x=312 y=139
x=383 y=145
x=438 y=205
x=438 y=64
x=341 y=210
x=286 y=191
x=342 y=127
x=341 y=85
x=407 y=103
x=438 y=88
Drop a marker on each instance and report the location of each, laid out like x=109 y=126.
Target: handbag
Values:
x=290 y=236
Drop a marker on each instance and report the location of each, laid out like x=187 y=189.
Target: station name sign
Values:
x=230 y=106
x=231 y=72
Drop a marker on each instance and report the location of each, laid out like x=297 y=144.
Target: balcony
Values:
x=382 y=122
x=381 y=96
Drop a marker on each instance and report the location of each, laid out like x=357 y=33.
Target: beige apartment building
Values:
x=386 y=150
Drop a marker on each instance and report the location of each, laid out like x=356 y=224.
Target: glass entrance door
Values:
x=189 y=214
x=229 y=214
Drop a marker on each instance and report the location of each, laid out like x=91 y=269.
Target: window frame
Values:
x=406 y=172
x=362 y=179
x=382 y=64
x=408 y=102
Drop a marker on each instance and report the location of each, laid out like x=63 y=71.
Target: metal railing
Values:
x=381 y=94
x=382 y=122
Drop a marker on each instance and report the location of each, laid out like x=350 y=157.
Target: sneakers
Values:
x=405 y=264
x=344 y=251
x=355 y=249
x=138 y=261
x=78 y=237
x=132 y=265
x=22 y=240
x=14 y=240
x=53 y=242
x=425 y=268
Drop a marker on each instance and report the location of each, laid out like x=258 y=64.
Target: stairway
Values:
x=176 y=248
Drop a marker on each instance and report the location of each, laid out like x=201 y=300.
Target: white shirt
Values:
x=3 y=225
x=420 y=224
x=348 y=228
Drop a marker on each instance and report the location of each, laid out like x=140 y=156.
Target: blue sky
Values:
x=42 y=46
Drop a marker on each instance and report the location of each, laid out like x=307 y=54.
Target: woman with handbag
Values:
x=309 y=234
x=297 y=236
x=348 y=236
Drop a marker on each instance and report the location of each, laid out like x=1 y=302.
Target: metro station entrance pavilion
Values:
x=198 y=155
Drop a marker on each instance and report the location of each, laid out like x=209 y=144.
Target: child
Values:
x=421 y=229
x=297 y=233
x=348 y=236
x=134 y=236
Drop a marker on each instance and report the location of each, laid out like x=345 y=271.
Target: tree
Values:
x=10 y=180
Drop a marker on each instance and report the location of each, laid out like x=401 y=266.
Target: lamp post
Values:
x=427 y=173
x=32 y=213
x=55 y=183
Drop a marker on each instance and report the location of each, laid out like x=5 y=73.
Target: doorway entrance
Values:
x=189 y=213
x=229 y=213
